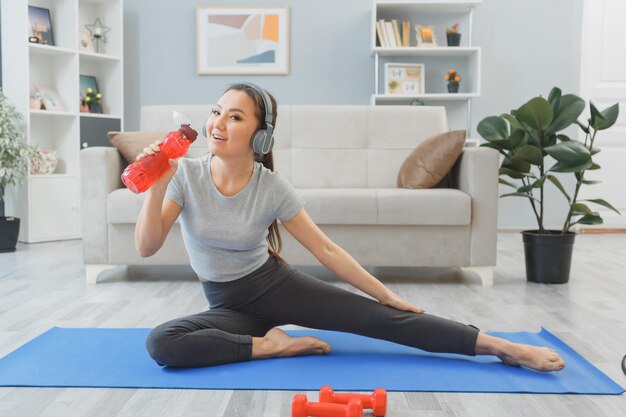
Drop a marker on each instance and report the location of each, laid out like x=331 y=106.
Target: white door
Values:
x=603 y=81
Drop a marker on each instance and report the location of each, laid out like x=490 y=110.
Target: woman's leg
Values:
x=307 y=301
x=213 y=337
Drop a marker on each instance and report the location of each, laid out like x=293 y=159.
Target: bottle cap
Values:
x=190 y=133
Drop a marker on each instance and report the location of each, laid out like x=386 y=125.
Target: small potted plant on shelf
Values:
x=525 y=138
x=15 y=158
x=93 y=100
x=453 y=35
x=453 y=79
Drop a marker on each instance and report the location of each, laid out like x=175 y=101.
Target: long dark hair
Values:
x=274 y=241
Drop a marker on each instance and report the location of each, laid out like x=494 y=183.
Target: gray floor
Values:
x=42 y=285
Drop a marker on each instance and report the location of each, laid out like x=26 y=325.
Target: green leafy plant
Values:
x=526 y=136
x=15 y=153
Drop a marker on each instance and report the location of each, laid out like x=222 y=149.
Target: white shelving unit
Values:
x=49 y=205
x=437 y=60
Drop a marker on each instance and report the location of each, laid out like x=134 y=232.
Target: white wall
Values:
x=527 y=46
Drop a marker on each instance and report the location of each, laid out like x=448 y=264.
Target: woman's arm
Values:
x=335 y=258
x=157 y=214
x=155 y=220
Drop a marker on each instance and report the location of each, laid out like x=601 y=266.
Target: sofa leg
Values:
x=93 y=270
x=484 y=272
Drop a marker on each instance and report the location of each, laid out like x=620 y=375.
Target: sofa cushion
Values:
x=131 y=144
x=429 y=163
x=443 y=206
x=340 y=205
x=371 y=206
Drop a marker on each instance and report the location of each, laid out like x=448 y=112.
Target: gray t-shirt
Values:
x=225 y=237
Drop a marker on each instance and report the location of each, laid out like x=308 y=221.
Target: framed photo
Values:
x=242 y=40
x=425 y=35
x=50 y=99
x=404 y=78
x=40 y=25
x=88 y=81
x=85 y=43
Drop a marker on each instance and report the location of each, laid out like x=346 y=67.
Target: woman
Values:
x=229 y=201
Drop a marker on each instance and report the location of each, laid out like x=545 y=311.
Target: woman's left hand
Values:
x=399 y=303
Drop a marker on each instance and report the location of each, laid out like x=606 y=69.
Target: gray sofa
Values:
x=344 y=161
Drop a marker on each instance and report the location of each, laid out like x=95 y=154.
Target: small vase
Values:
x=453 y=88
x=95 y=108
x=454 y=39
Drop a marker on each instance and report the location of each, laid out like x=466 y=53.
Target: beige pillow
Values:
x=429 y=163
x=131 y=144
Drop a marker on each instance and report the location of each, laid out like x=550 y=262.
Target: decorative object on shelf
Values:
x=90 y=96
x=417 y=102
x=46 y=165
x=425 y=35
x=453 y=35
x=15 y=154
x=526 y=137
x=98 y=33
x=404 y=78
x=40 y=25
x=242 y=40
x=50 y=99
x=85 y=42
x=453 y=79
x=35 y=102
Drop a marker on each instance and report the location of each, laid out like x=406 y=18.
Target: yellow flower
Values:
x=89 y=90
x=99 y=95
x=88 y=99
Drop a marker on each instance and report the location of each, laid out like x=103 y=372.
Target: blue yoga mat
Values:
x=117 y=358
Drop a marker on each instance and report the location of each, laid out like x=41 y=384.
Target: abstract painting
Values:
x=242 y=40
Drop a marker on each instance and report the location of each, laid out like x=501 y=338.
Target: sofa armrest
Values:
x=100 y=170
x=476 y=174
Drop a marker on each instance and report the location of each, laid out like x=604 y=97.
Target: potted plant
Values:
x=453 y=35
x=93 y=101
x=525 y=138
x=453 y=79
x=15 y=155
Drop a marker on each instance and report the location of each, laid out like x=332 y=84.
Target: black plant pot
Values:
x=454 y=39
x=548 y=255
x=453 y=88
x=9 y=230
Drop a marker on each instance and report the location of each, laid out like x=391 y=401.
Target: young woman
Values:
x=229 y=201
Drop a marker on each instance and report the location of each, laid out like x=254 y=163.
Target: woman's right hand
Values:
x=151 y=150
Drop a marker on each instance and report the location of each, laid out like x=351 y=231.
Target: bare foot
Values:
x=534 y=357
x=277 y=343
x=517 y=354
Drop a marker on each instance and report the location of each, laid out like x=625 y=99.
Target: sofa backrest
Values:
x=329 y=146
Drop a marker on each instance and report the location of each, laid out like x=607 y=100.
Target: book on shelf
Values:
x=406 y=33
x=379 y=33
x=396 y=32
x=390 y=35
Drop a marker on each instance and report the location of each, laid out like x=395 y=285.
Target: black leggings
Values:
x=275 y=295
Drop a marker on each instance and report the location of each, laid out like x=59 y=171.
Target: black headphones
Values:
x=262 y=141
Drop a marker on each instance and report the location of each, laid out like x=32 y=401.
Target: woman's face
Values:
x=232 y=122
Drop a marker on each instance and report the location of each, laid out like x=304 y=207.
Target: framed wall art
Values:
x=242 y=40
x=404 y=78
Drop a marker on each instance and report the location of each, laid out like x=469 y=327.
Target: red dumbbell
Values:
x=376 y=401
x=301 y=407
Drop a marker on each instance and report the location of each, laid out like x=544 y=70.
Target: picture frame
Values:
x=85 y=42
x=50 y=99
x=40 y=25
x=242 y=40
x=425 y=35
x=401 y=78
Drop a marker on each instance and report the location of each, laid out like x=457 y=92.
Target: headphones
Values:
x=262 y=141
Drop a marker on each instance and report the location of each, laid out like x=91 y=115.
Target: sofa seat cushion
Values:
x=387 y=206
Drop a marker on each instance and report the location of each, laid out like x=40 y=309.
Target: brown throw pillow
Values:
x=131 y=144
x=429 y=163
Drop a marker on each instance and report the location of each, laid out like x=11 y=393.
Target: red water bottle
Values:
x=141 y=174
